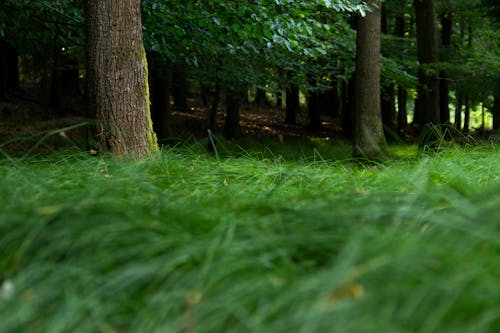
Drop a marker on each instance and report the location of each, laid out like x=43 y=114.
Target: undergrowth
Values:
x=250 y=242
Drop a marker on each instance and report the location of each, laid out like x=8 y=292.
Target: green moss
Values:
x=151 y=135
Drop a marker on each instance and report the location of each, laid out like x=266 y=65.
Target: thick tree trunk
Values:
x=292 y=104
x=117 y=77
x=444 y=85
x=369 y=140
x=427 y=103
x=160 y=94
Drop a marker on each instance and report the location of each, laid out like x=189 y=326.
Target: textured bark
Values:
x=117 y=79
x=427 y=103
x=369 y=140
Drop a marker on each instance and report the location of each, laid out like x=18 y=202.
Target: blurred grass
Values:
x=291 y=238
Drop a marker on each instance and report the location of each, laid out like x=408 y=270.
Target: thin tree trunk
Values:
x=444 y=86
x=232 y=127
x=9 y=68
x=466 y=128
x=369 y=140
x=348 y=107
x=458 y=111
x=212 y=113
x=292 y=104
x=160 y=94
x=117 y=77
x=496 y=107
x=180 y=87
x=402 y=111
x=427 y=103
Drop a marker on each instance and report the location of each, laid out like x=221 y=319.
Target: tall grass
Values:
x=250 y=242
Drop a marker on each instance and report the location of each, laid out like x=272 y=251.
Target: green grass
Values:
x=256 y=241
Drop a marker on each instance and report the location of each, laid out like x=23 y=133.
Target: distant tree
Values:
x=117 y=77
x=369 y=139
x=427 y=103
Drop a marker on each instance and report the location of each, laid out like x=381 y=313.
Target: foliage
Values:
x=186 y=242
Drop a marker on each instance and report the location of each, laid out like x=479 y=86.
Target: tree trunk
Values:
x=400 y=30
x=369 y=140
x=427 y=103
x=180 y=86
x=444 y=85
x=313 y=111
x=9 y=68
x=232 y=127
x=458 y=111
x=466 y=128
x=292 y=104
x=402 y=110
x=117 y=77
x=160 y=94
x=348 y=107
x=496 y=107
x=212 y=113
x=388 y=107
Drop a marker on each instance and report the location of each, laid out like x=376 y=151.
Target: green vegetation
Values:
x=251 y=242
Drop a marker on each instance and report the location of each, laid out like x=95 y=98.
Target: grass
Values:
x=257 y=241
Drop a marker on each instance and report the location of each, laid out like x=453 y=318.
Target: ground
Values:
x=26 y=125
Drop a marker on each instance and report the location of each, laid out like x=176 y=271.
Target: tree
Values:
x=427 y=103
x=369 y=140
x=117 y=82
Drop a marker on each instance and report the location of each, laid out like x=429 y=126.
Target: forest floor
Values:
x=26 y=123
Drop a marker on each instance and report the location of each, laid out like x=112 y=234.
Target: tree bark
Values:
x=444 y=77
x=180 y=86
x=232 y=128
x=313 y=111
x=160 y=94
x=466 y=127
x=292 y=104
x=9 y=68
x=348 y=107
x=369 y=140
x=496 y=107
x=117 y=79
x=458 y=110
x=427 y=103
